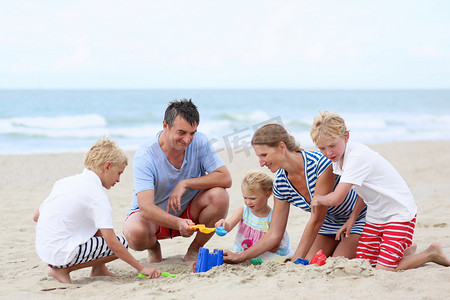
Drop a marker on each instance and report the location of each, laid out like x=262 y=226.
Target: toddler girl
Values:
x=254 y=217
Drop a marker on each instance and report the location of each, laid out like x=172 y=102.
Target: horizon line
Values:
x=228 y=88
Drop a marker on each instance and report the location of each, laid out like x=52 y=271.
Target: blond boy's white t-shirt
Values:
x=75 y=210
x=384 y=191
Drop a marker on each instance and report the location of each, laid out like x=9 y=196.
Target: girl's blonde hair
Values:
x=102 y=151
x=327 y=125
x=272 y=134
x=255 y=181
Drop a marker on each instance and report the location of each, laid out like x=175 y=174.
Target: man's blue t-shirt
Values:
x=153 y=171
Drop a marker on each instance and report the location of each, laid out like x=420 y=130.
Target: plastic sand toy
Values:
x=319 y=258
x=165 y=274
x=301 y=261
x=205 y=260
x=220 y=231
x=202 y=228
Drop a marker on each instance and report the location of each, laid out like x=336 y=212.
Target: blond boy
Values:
x=74 y=223
x=387 y=237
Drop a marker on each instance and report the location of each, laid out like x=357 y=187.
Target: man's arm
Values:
x=151 y=212
x=218 y=178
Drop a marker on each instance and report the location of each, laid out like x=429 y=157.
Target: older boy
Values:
x=391 y=209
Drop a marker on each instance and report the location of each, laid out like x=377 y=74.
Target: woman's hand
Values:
x=231 y=257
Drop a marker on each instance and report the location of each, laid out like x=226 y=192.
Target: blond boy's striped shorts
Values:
x=384 y=244
x=93 y=249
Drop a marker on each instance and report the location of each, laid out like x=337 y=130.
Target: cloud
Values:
x=79 y=58
x=428 y=52
x=221 y=43
x=22 y=68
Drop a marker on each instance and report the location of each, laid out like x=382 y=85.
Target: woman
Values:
x=299 y=176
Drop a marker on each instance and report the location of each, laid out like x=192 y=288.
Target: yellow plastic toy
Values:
x=202 y=228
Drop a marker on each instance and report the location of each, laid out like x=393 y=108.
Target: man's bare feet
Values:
x=437 y=255
x=191 y=255
x=101 y=270
x=154 y=254
x=62 y=275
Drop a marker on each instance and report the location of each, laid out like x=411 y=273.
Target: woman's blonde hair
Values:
x=255 y=181
x=102 y=151
x=327 y=125
x=272 y=134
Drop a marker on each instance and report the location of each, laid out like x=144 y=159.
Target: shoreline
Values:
x=307 y=147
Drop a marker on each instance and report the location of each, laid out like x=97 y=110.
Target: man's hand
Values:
x=184 y=227
x=174 y=201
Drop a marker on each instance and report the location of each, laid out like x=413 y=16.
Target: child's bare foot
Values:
x=154 y=254
x=101 y=270
x=410 y=250
x=437 y=255
x=191 y=255
x=62 y=275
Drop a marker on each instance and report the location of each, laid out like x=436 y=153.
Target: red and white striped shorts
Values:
x=384 y=244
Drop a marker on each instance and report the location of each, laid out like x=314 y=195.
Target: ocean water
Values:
x=51 y=121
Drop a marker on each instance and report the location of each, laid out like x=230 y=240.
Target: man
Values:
x=179 y=180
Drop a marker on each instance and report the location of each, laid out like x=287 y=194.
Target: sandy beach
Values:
x=27 y=179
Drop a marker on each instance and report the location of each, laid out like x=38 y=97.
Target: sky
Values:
x=168 y=44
